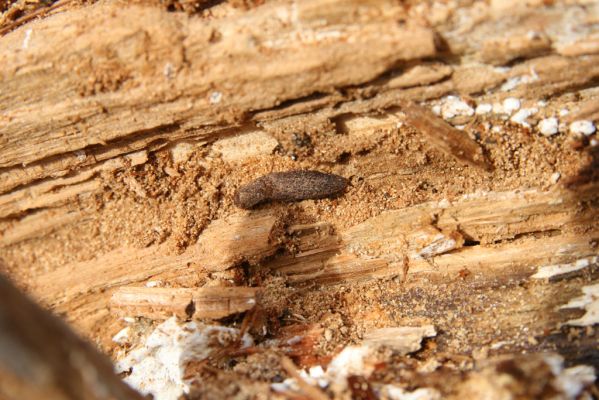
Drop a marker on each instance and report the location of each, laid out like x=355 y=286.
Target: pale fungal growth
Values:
x=582 y=127
x=157 y=365
x=548 y=126
x=393 y=392
x=510 y=105
x=81 y=156
x=168 y=71
x=516 y=81
x=484 y=108
x=122 y=337
x=521 y=116
x=26 y=39
x=454 y=106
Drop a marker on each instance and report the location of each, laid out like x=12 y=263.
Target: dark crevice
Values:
x=298 y=100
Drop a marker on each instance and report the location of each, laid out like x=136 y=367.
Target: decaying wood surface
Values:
x=159 y=303
x=110 y=109
x=154 y=89
x=423 y=240
x=42 y=358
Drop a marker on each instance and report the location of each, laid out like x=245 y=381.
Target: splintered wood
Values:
x=429 y=239
x=444 y=136
x=241 y=237
x=161 y=303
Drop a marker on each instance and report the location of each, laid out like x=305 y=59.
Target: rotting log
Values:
x=419 y=241
x=84 y=103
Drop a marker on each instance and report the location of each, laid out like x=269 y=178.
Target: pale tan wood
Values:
x=428 y=239
x=72 y=122
x=444 y=136
x=502 y=50
x=60 y=190
x=39 y=224
x=185 y=303
x=224 y=243
x=133 y=102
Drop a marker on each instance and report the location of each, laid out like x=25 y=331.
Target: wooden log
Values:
x=162 y=303
x=40 y=357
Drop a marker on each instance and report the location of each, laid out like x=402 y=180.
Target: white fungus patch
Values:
x=169 y=70
x=81 y=155
x=510 y=105
x=569 y=381
x=123 y=336
x=454 y=106
x=26 y=39
x=589 y=301
x=522 y=115
x=582 y=127
x=516 y=81
x=548 y=126
x=483 y=108
x=572 y=380
x=157 y=366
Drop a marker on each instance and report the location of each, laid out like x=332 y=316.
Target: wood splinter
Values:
x=185 y=303
x=445 y=137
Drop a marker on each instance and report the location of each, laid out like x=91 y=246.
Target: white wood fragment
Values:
x=484 y=108
x=589 y=301
x=550 y=271
x=404 y=339
x=522 y=115
x=245 y=145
